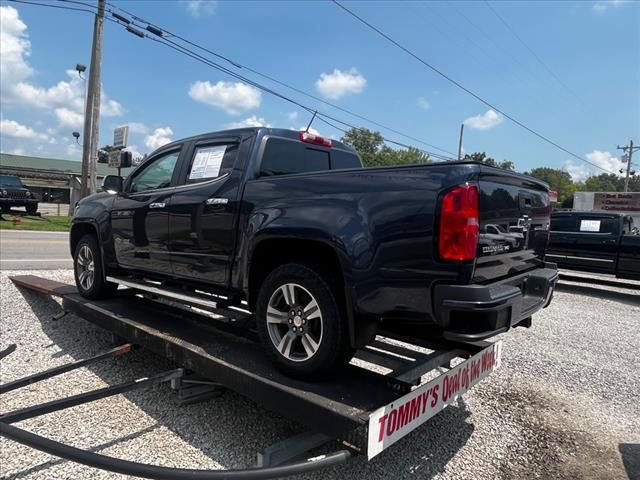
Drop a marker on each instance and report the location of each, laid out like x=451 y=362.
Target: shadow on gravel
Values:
x=632 y=299
x=231 y=429
x=630 y=453
x=600 y=281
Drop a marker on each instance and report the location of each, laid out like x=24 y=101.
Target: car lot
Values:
x=563 y=405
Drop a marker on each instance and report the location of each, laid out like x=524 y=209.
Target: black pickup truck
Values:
x=325 y=253
x=598 y=242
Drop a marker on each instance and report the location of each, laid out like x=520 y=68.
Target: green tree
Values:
x=103 y=153
x=373 y=151
x=482 y=157
x=558 y=180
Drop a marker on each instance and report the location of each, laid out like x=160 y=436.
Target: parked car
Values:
x=325 y=252
x=14 y=194
x=599 y=242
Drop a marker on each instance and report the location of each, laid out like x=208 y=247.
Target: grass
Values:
x=45 y=223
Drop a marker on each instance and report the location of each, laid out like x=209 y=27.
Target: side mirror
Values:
x=113 y=183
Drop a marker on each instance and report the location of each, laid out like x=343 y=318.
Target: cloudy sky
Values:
x=569 y=70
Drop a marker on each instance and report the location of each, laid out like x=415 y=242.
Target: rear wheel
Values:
x=300 y=323
x=87 y=268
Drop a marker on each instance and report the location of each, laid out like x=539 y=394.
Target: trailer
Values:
x=391 y=387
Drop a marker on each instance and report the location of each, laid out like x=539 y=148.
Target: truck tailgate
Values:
x=514 y=224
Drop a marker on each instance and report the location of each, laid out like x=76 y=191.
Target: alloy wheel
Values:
x=85 y=267
x=294 y=322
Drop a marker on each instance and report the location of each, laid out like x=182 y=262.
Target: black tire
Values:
x=32 y=208
x=98 y=287
x=331 y=348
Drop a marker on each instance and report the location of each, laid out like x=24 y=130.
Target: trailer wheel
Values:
x=87 y=269
x=300 y=323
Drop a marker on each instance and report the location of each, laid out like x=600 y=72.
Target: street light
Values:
x=80 y=69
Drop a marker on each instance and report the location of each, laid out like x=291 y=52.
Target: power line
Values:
x=535 y=55
x=40 y=4
x=279 y=82
x=190 y=53
x=496 y=44
x=463 y=88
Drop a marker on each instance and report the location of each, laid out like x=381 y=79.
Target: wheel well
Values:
x=78 y=231
x=271 y=253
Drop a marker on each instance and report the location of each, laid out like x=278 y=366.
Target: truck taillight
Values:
x=307 y=137
x=459 y=224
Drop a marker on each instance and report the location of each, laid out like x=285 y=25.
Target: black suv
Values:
x=13 y=193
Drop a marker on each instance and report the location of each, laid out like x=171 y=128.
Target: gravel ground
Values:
x=563 y=405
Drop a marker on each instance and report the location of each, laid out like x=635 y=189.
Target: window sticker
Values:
x=589 y=225
x=207 y=162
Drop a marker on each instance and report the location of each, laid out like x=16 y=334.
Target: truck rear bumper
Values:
x=475 y=312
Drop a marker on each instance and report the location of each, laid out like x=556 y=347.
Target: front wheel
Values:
x=87 y=269
x=300 y=323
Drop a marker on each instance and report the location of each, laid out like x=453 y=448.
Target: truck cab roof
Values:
x=260 y=132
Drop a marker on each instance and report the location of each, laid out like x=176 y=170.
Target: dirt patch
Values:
x=554 y=445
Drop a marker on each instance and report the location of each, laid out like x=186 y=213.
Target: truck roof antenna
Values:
x=311 y=121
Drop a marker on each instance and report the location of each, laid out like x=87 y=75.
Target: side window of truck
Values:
x=563 y=224
x=599 y=225
x=156 y=174
x=211 y=161
x=283 y=156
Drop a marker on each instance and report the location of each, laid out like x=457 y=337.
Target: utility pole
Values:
x=92 y=108
x=630 y=148
x=460 y=142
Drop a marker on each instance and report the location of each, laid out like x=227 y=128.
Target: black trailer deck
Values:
x=338 y=407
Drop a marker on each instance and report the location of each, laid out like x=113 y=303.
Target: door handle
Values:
x=217 y=201
x=157 y=205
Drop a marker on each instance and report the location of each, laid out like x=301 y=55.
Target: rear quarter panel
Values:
x=380 y=221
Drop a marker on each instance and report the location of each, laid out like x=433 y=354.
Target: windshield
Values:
x=9 y=181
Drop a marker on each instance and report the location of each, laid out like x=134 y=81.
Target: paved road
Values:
x=26 y=250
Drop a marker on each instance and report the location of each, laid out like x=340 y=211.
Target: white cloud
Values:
x=11 y=128
x=423 y=103
x=602 y=5
x=15 y=72
x=581 y=171
x=69 y=118
x=109 y=107
x=14 y=47
x=16 y=151
x=197 y=8
x=136 y=127
x=159 y=137
x=337 y=84
x=304 y=127
x=233 y=98
x=485 y=121
x=252 y=121
x=292 y=116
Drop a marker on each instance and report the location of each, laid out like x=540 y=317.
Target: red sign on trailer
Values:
x=390 y=423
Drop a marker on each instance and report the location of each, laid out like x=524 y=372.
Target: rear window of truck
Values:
x=585 y=224
x=282 y=157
